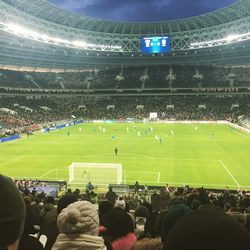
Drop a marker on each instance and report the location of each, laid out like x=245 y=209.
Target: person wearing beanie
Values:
x=176 y=211
x=78 y=225
x=12 y=214
x=118 y=230
x=65 y=201
x=31 y=227
x=48 y=213
x=104 y=207
x=141 y=216
x=50 y=230
x=206 y=229
x=195 y=204
x=141 y=211
x=111 y=196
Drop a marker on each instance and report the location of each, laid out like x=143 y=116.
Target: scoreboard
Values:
x=156 y=44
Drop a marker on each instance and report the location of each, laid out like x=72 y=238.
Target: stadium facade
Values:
x=36 y=35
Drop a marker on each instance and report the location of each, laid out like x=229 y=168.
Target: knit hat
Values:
x=141 y=212
x=79 y=217
x=118 y=223
x=174 y=213
x=207 y=229
x=12 y=212
x=65 y=201
x=104 y=207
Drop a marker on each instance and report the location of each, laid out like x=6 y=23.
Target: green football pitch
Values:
x=213 y=156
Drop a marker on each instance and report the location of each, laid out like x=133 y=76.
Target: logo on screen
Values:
x=152 y=45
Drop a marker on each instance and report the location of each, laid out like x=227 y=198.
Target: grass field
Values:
x=188 y=157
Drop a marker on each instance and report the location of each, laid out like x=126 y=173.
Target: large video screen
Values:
x=157 y=44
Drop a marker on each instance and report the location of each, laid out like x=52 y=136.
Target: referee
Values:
x=116 y=151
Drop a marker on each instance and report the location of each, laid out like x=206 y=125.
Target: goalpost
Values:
x=97 y=173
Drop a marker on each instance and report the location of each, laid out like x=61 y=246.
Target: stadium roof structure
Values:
x=36 y=34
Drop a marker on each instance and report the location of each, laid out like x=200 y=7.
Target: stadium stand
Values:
x=182 y=108
x=158 y=77
x=153 y=216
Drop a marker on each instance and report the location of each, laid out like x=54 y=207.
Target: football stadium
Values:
x=146 y=119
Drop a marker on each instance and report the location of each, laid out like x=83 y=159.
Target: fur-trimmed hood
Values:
x=124 y=243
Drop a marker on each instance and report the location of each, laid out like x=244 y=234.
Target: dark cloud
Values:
x=141 y=10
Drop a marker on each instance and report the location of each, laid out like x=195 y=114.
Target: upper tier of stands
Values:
x=130 y=77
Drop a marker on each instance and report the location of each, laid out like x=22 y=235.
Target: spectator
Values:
x=104 y=208
x=12 y=214
x=65 y=201
x=90 y=187
x=227 y=207
x=207 y=229
x=151 y=220
x=141 y=216
x=195 y=204
x=118 y=230
x=50 y=229
x=137 y=187
x=28 y=241
x=78 y=225
x=155 y=200
x=111 y=196
x=76 y=194
x=48 y=212
x=120 y=203
x=163 y=199
x=176 y=211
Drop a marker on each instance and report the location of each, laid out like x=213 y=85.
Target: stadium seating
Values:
x=184 y=76
x=184 y=108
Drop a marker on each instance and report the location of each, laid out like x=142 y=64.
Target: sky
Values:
x=141 y=10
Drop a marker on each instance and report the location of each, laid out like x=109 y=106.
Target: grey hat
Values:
x=79 y=217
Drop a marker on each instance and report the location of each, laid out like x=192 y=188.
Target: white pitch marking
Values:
x=225 y=167
x=16 y=159
x=48 y=172
x=142 y=172
x=159 y=176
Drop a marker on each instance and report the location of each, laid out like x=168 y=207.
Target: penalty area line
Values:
x=227 y=170
x=48 y=172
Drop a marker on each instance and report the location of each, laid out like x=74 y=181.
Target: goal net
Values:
x=97 y=173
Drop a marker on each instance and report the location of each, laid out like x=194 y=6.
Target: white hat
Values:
x=120 y=204
x=79 y=217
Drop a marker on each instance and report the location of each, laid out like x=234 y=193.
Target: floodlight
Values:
x=230 y=38
x=19 y=30
x=78 y=44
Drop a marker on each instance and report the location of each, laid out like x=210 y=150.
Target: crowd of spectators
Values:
x=130 y=77
x=169 y=219
x=31 y=111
